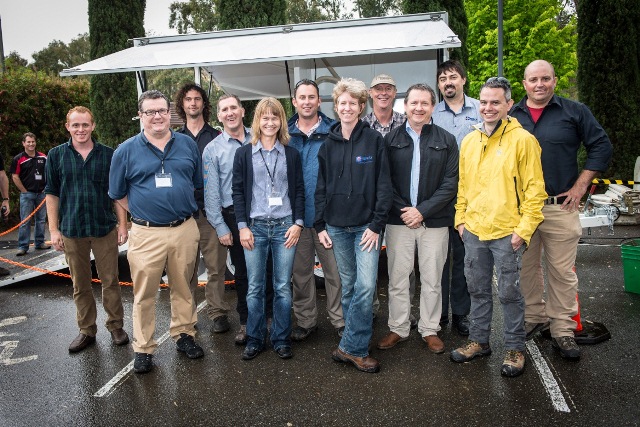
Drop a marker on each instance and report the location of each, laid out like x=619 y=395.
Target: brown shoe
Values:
x=81 y=342
x=119 y=337
x=390 y=340
x=434 y=344
x=364 y=364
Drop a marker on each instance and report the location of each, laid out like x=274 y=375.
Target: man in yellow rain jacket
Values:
x=500 y=198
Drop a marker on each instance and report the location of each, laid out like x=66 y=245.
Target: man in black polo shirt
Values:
x=27 y=172
x=561 y=126
x=82 y=220
x=192 y=105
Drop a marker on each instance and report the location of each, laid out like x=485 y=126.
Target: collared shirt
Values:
x=459 y=123
x=397 y=119
x=562 y=127
x=269 y=180
x=415 y=165
x=136 y=163
x=85 y=209
x=217 y=161
x=204 y=137
x=30 y=170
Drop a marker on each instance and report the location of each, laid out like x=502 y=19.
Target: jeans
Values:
x=480 y=257
x=269 y=235
x=28 y=202
x=358 y=273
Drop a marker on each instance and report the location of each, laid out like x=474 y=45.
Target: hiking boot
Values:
x=567 y=347
x=241 y=336
x=513 y=364
x=186 y=344
x=470 y=350
x=531 y=329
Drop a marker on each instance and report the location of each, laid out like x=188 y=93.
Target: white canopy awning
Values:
x=256 y=62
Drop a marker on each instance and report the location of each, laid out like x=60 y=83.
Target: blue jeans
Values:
x=480 y=257
x=269 y=235
x=28 y=202
x=358 y=274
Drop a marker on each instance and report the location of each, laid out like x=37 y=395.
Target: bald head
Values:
x=540 y=83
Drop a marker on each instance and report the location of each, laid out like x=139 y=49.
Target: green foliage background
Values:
x=114 y=96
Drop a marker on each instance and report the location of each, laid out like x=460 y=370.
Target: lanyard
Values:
x=273 y=184
x=165 y=153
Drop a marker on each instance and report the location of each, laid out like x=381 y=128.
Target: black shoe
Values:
x=567 y=347
x=531 y=329
x=413 y=321
x=250 y=352
x=4 y=272
x=221 y=324
x=284 y=352
x=299 y=333
x=340 y=331
x=444 y=321
x=186 y=344
x=461 y=324
x=142 y=363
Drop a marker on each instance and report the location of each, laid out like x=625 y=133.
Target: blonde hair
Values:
x=353 y=87
x=269 y=106
x=80 y=110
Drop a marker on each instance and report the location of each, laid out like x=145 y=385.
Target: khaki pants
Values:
x=432 y=244
x=304 y=284
x=214 y=256
x=150 y=249
x=558 y=236
x=77 y=252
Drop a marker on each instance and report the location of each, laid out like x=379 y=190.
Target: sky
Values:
x=30 y=25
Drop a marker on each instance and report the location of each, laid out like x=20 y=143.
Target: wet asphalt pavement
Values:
x=41 y=384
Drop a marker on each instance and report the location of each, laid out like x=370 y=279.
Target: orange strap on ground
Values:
x=24 y=220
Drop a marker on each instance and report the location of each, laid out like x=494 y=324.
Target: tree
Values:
x=195 y=15
x=371 y=8
x=531 y=31
x=113 y=96
x=251 y=13
x=14 y=60
x=299 y=11
x=58 y=55
x=609 y=57
x=457 y=21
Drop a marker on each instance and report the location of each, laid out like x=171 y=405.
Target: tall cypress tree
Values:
x=113 y=96
x=609 y=74
x=457 y=21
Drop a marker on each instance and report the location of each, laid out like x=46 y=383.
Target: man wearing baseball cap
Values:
x=383 y=94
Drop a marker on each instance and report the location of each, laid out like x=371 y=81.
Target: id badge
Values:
x=163 y=180
x=275 y=199
x=38 y=177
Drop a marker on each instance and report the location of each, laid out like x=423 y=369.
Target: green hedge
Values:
x=38 y=103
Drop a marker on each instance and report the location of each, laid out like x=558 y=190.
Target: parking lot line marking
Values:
x=548 y=380
x=114 y=382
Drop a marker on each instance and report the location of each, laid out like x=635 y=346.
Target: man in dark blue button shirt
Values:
x=154 y=175
x=561 y=126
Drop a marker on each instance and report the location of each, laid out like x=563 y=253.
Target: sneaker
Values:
x=567 y=347
x=531 y=329
x=513 y=364
x=186 y=344
x=299 y=333
x=241 y=336
x=43 y=247
x=470 y=350
x=221 y=324
x=142 y=363
x=4 y=272
x=21 y=252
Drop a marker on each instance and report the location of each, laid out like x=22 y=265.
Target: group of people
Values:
x=468 y=184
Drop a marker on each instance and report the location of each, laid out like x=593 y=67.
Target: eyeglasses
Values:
x=499 y=80
x=151 y=113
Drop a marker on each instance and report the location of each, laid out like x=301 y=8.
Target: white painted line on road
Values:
x=548 y=380
x=118 y=379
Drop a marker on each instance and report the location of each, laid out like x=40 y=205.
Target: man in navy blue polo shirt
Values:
x=154 y=175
